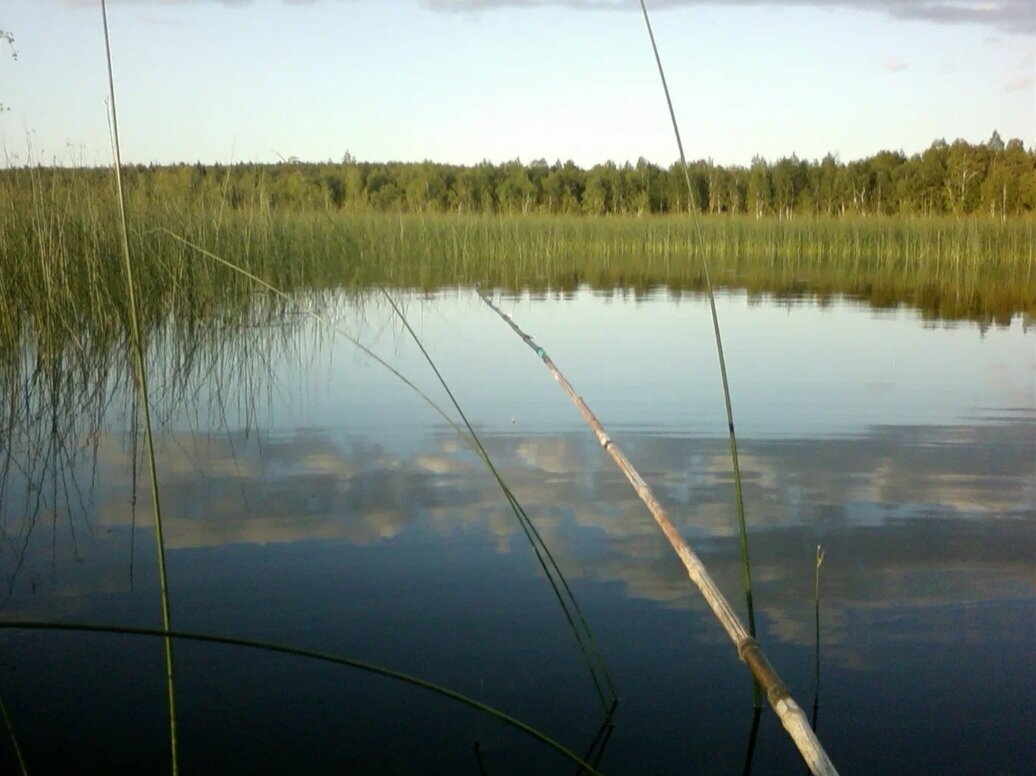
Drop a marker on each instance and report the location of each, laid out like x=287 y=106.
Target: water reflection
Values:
x=285 y=453
x=910 y=516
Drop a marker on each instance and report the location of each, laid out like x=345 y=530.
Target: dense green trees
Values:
x=994 y=179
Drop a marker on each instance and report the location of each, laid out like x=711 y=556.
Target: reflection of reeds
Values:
x=140 y=373
x=595 y=752
x=58 y=400
x=753 y=736
x=52 y=410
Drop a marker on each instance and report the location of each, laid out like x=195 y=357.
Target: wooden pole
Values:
x=792 y=717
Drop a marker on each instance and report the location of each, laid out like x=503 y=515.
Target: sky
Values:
x=460 y=81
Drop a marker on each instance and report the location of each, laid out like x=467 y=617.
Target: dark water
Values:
x=310 y=499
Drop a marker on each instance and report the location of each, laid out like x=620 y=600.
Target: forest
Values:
x=995 y=178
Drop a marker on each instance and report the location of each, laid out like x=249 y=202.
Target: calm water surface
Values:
x=311 y=499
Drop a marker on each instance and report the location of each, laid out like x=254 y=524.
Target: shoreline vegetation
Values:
x=60 y=283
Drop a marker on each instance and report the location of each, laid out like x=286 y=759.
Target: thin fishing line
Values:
x=325 y=657
x=738 y=496
x=138 y=351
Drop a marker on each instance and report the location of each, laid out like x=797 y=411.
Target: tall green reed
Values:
x=9 y=726
x=816 y=623
x=566 y=599
x=739 y=501
x=140 y=373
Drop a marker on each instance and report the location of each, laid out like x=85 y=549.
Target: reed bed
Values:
x=60 y=278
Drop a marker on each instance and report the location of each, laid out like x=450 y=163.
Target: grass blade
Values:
x=311 y=655
x=577 y=622
x=816 y=621
x=14 y=738
x=746 y=572
x=141 y=378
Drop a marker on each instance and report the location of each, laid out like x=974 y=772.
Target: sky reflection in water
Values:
x=311 y=499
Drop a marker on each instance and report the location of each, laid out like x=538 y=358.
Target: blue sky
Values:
x=466 y=80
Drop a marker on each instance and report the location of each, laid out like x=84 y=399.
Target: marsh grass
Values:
x=61 y=285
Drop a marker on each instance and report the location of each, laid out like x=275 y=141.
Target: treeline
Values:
x=993 y=178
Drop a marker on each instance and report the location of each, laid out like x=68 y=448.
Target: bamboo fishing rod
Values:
x=791 y=715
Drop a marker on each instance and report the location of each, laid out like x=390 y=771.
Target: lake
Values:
x=311 y=499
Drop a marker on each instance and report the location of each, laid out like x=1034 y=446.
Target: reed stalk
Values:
x=753 y=736
x=326 y=657
x=739 y=501
x=791 y=715
x=600 y=674
x=595 y=752
x=566 y=599
x=140 y=372
x=14 y=739
x=816 y=621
